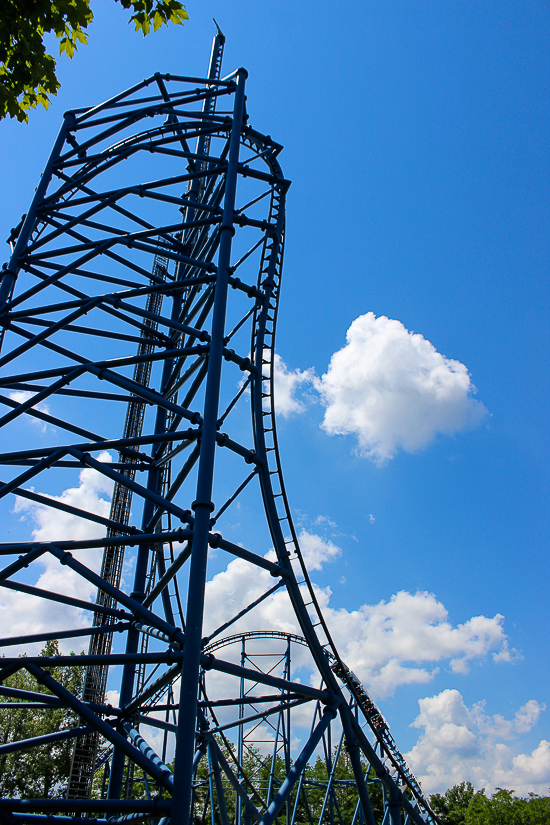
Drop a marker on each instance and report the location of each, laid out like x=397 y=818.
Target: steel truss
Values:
x=117 y=316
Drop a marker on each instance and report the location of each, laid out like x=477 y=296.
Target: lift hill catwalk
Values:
x=138 y=314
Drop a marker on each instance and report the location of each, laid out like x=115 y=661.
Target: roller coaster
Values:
x=138 y=313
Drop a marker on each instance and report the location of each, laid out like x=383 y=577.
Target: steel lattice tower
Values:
x=120 y=328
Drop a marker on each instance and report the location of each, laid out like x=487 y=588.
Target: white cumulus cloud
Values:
x=404 y=640
x=24 y=614
x=393 y=390
x=392 y=642
x=458 y=743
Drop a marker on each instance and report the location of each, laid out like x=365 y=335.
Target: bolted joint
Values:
x=170 y=657
x=332 y=707
x=38 y=674
x=351 y=745
x=214 y=540
x=207 y=661
x=172 y=637
x=186 y=518
x=207 y=504
x=70 y=120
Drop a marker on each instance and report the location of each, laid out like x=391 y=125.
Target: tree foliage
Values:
x=266 y=774
x=451 y=806
x=461 y=805
x=39 y=772
x=27 y=71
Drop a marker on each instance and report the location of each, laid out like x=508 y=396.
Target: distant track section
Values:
x=371 y=712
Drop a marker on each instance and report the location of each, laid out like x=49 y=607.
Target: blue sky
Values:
x=416 y=138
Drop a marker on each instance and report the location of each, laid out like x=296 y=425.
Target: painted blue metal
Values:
x=329 y=714
x=46 y=739
x=116 y=310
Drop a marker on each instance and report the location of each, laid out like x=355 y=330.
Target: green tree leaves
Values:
x=461 y=805
x=157 y=12
x=27 y=72
x=451 y=806
x=41 y=771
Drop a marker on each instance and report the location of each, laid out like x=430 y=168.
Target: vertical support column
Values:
x=203 y=506
x=240 y=740
x=330 y=767
x=287 y=733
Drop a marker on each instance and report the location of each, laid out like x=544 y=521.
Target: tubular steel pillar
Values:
x=203 y=505
x=123 y=340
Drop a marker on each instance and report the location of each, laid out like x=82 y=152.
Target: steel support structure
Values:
x=138 y=313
